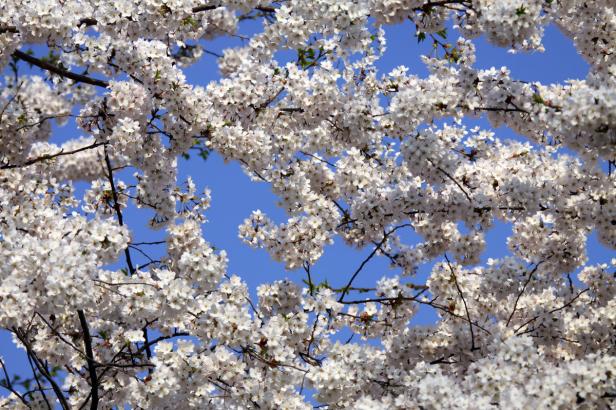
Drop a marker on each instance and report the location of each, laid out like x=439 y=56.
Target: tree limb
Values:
x=58 y=70
x=87 y=341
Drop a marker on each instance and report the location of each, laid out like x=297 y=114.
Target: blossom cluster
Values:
x=354 y=155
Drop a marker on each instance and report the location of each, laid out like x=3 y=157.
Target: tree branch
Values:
x=51 y=156
x=9 y=385
x=87 y=341
x=41 y=368
x=346 y=289
x=58 y=70
x=468 y=316
x=515 y=305
x=118 y=210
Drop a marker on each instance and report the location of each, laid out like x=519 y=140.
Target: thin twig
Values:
x=515 y=305
x=468 y=316
x=38 y=381
x=552 y=311
x=41 y=368
x=451 y=178
x=345 y=290
x=8 y=385
x=52 y=156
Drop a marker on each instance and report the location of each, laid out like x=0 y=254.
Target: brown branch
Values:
x=38 y=381
x=42 y=120
x=59 y=335
x=11 y=99
x=451 y=178
x=148 y=349
x=87 y=341
x=266 y=9
x=8 y=385
x=515 y=305
x=346 y=289
x=41 y=368
x=468 y=316
x=51 y=156
x=199 y=9
x=386 y=300
x=89 y=21
x=449 y=312
x=118 y=210
x=500 y=109
x=551 y=311
x=8 y=29
x=443 y=3
x=151 y=343
x=58 y=70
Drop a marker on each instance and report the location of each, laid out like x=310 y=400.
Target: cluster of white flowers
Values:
x=351 y=153
x=28 y=109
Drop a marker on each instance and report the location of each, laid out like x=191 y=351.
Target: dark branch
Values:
x=118 y=210
x=515 y=305
x=51 y=156
x=346 y=289
x=58 y=70
x=41 y=368
x=468 y=316
x=87 y=341
x=8 y=385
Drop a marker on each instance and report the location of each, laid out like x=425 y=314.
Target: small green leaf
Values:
x=190 y=21
x=537 y=99
x=21 y=120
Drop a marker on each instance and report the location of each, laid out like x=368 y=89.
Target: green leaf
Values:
x=190 y=21
x=442 y=33
x=538 y=99
x=204 y=153
x=307 y=57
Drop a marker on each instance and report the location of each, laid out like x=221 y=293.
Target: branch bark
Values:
x=51 y=156
x=42 y=369
x=58 y=70
x=468 y=315
x=87 y=341
x=118 y=210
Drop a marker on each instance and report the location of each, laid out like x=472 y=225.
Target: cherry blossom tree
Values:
x=352 y=153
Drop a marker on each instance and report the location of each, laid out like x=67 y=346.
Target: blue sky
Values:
x=235 y=196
